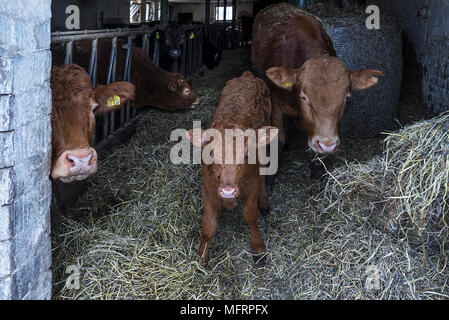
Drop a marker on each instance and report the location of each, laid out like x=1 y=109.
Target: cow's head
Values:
x=322 y=86
x=174 y=37
x=231 y=175
x=176 y=94
x=75 y=104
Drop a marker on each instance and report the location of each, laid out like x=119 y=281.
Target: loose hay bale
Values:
x=406 y=190
x=137 y=232
x=373 y=110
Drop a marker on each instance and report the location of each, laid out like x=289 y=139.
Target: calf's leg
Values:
x=264 y=204
x=250 y=215
x=277 y=120
x=209 y=227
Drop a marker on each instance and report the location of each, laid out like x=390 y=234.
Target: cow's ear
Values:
x=113 y=96
x=364 y=79
x=282 y=77
x=266 y=135
x=196 y=137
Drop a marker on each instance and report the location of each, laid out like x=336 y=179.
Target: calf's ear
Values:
x=282 y=77
x=266 y=135
x=364 y=79
x=196 y=137
x=113 y=96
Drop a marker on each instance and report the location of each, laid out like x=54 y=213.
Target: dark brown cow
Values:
x=73 y=121
x=244 y=104
x=293 y=52
x=154 y=86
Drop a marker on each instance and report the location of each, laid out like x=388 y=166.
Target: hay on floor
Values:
x=136 y=233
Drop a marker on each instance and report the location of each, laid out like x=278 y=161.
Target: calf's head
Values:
x=176 y=94
x=174 y=37
x=75 y=104
x=321 y=87
x=231 y=174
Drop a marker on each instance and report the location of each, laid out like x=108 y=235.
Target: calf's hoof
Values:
x=260 y=259
x=204 y=261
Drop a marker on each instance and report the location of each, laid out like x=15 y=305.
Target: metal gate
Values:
x=220 y=35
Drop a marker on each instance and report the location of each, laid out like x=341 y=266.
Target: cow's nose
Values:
x=195 y=103
x=327 y=146
x=80 y=161
x=228 y=192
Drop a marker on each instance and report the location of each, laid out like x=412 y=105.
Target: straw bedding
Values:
x=136 y=233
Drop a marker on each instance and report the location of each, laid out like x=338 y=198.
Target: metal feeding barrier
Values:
x=219 y=35
x=109 y=123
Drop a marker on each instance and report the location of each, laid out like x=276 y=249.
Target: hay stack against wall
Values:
x=371 y=111
x=406 y=191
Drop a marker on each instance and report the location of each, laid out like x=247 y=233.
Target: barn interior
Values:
x=132 y=230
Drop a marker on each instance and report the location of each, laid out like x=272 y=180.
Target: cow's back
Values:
x=285 y=35
x=244 y=103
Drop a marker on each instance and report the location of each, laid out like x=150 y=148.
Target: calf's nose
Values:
x=228 y=192
x=175 y=53
x=327 y=146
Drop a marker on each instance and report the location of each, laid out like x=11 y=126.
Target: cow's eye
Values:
x=94 y=109
x=304 y=97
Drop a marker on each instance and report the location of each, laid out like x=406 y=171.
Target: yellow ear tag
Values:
x=286 y=84
x=113 y=101
x=192 y=36
x=157 y=35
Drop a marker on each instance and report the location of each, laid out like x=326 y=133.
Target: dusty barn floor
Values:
x=136 y=233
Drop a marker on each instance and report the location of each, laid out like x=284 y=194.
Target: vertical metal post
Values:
x=111 y=78
x=68 y=52
x=127 y=77
x=207 y=12
x=164 y=13
x=145 y=44
x=156 y=51
x=234 y=31
x=182 y=68
x=189 y=56
x=200 y=45
x=225 y=4
x=93 y=76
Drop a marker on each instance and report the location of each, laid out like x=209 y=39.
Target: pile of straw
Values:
x=136 y=233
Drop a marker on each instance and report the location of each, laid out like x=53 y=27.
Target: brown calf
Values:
x=244 y=104
x=73 y=120
x=293 y=52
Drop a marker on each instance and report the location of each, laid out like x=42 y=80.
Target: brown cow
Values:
x=73 y=121
x=154 y=86
x=244 y=104
x=293 y=52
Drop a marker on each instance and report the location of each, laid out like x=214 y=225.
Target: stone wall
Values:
x=426 y=24
x=25 y=149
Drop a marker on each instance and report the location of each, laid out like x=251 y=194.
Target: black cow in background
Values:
x=171 y=41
